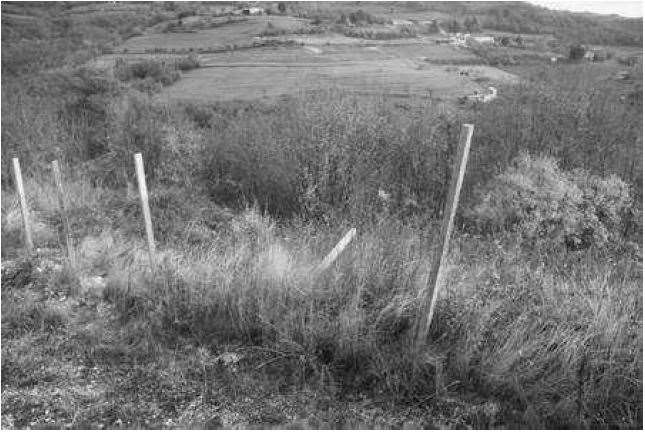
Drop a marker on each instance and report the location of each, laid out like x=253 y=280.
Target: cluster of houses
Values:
x=249 y=10
x=477 y=97
x=462 y=39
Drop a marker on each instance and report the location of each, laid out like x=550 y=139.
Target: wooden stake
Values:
x=17 y=177
x=63 y=208
x=430 y=299
x=143 y=192
x=342 y=244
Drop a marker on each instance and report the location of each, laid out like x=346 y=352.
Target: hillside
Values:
x=516 y=17
x=267 y=134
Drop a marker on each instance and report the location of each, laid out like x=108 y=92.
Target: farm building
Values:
x=458 y=39
x=599 y=55
x=483 y=39
x=252 y=11
x=478 y=97
x=595 y=54
x=589 y=55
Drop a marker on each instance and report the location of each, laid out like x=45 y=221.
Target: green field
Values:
x=246 y=81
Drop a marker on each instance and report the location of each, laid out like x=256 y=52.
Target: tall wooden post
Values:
x=432 y=290
x=63 y=209
x=17 y=177
x=143 y=192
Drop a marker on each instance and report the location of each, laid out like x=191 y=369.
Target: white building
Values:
x=483 y=39
x=253 y=11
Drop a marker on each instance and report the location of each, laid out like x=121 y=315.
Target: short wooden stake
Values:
x=342 y=244
x=143 y=192
x=17 y=177
x=63 y=208
x=429 y=301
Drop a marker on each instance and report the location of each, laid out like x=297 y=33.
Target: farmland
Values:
x=399 y=67
x=265 y=139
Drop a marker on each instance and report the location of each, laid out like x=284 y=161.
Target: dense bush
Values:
x=188 y=62
x=155 y=69
x=545 y=204
x=405 y=31
x=308 y=157
x=360 y=18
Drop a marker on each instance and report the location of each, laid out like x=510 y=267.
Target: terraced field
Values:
x=225 y=34
x=401 y=67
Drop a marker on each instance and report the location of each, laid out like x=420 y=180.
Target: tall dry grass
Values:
x=553 y=339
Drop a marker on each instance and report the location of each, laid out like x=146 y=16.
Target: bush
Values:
x=360 y=18
x=292 y=164
x=577 y=52
x=406 y=31
x=188 y=62
x=158 y=70
x=543 y=203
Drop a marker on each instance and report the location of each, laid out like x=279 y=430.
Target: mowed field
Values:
x=405 y=67
x=245 y=81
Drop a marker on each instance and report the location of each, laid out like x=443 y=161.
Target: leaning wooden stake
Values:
x=342 y=244
x=143 y=192
x=17 y=177
x=63 y=209
x=430 y=298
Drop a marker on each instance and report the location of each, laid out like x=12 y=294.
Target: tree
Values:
x=505 y=40
x=454 y=26
x=282 y=7
x=471 y=24
x=577 y=52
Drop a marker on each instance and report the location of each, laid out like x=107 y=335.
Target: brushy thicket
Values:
x=535 y=198
x=402 y=31
x=153 y=73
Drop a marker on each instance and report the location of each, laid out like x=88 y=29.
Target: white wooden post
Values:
x=17 y=177
x=63 y=208
x=429 y=301
x=143 y=192
x=342 y=244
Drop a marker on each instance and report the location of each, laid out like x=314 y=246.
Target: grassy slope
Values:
x=530 y=340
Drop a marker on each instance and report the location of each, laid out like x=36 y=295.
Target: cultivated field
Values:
x=398 y=77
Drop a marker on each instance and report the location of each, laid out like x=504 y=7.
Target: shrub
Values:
x=188 y=62
x=543 y=203
x=158 y=70
x=406 y=31
x=577 y=52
